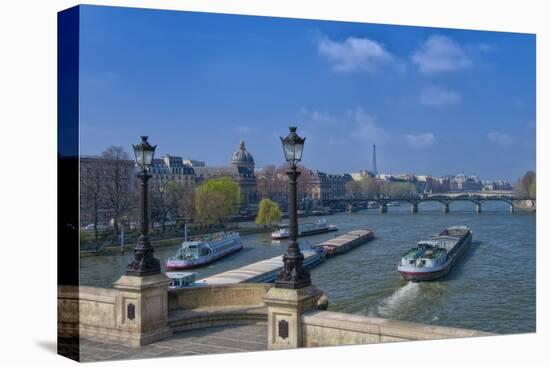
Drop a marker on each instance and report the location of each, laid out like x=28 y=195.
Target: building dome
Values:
x=241 y=157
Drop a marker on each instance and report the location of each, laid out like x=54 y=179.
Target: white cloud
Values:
x=354 y=54
x=365 y=128
x=317 y=116
x=420 y=140
x=242 y=129
x=337 y=141
x=437 y=96
x=500 y=138
x=486 y=47
x=440 y=54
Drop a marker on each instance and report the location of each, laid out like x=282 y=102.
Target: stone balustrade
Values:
x=326 y=328
x=295 y=318
x=139 y=314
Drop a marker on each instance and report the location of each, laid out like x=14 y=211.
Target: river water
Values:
x=493 y=288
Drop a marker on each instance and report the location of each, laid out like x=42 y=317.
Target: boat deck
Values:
x=260 y=271
x=345 y=240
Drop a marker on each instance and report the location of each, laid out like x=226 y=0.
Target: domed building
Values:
x=241 y=169
x=242 y=158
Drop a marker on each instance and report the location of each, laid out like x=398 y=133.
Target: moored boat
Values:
x=434 y=258
x=181 y=279
x=204 y=250
x=306 y=229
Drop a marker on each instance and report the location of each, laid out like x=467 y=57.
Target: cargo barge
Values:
x=344 y=243
x=434 y=258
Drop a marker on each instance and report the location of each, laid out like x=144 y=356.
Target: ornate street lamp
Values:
x=293 y=275
x=144 y=262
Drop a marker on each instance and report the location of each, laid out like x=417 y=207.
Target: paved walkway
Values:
x=221 y=339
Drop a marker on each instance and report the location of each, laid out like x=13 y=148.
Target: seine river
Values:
x=493 y=288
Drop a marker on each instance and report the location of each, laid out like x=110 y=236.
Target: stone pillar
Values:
x=478 y=208
x=284 y=315
x=511 y=208
x=446 y=208
x=142 y=309
x=414 y=208
x=383 y=208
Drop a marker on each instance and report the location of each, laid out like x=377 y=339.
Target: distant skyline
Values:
x=434 y=101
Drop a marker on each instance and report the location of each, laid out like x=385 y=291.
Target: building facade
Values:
x=172 y=168
x=323 y=186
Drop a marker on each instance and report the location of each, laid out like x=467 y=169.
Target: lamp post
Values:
x=293 y=275
x=144 y=262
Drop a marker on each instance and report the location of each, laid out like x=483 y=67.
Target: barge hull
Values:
x=344 y=243
x=457 y=251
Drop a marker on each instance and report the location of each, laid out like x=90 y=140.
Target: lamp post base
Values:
x=291 y=284
x=293 y=275
x=144 y=263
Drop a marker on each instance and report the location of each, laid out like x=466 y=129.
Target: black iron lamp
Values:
x=144 y=153
x=293 y=275
x=293 y=147
x=144 y=263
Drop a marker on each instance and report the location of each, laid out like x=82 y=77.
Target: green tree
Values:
x=401 y=189
x=268 y=213
x=216 y=200
x=365 y=186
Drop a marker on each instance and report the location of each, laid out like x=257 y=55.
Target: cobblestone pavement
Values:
x=222 y=339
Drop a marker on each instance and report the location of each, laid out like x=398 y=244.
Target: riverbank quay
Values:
x=116 y=249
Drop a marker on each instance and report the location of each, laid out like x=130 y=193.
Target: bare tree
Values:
x=117 y=170
x=165 y=201
x=265 y=181
x=187 y=205
x=91 y=193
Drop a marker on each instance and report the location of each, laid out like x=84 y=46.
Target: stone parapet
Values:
x=224 y=295
x=326 y=328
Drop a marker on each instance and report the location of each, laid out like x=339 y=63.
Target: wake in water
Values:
x=402 y=297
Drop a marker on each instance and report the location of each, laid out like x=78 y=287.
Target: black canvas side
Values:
x=68 y=162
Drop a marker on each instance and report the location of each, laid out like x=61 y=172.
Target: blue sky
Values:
x=435 y=101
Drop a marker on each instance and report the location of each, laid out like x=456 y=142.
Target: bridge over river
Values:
x=356 y=202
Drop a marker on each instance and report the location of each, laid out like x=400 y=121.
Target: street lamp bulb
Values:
x=293 y=146
x=144 y=153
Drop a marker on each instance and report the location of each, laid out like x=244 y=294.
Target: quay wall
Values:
x=87 y=311
x=326 y=328
x=224 y=295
